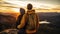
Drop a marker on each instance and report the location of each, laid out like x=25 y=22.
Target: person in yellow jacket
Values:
x=24 y=21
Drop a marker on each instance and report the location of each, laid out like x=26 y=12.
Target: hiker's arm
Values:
x=21 y=25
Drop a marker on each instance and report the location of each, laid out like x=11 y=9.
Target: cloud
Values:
x=36 y=3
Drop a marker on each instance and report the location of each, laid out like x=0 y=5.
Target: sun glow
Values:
x=36 y=5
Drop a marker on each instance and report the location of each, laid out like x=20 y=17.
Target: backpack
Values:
x=31 y=22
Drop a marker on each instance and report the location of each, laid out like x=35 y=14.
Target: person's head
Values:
x=22 y=11
x=29 y=6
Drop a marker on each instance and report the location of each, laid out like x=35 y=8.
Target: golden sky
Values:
x=39 y=5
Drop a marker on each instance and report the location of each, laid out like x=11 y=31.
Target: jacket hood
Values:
x=31 y=11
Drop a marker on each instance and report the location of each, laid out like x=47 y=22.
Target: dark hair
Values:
x=29 y=6
x=22 y=11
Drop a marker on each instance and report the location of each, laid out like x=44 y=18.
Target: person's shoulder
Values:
x=25 y=14
x=33 y=10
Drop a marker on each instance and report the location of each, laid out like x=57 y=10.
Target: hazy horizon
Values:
x=38 y=5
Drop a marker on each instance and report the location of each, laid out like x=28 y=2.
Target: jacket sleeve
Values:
x=22 y=23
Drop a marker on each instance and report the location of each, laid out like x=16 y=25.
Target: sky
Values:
x=46 y=4
x=37 y=3
x=45 y=1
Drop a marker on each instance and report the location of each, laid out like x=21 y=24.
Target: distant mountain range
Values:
x=53 y=18
x=48 y=15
